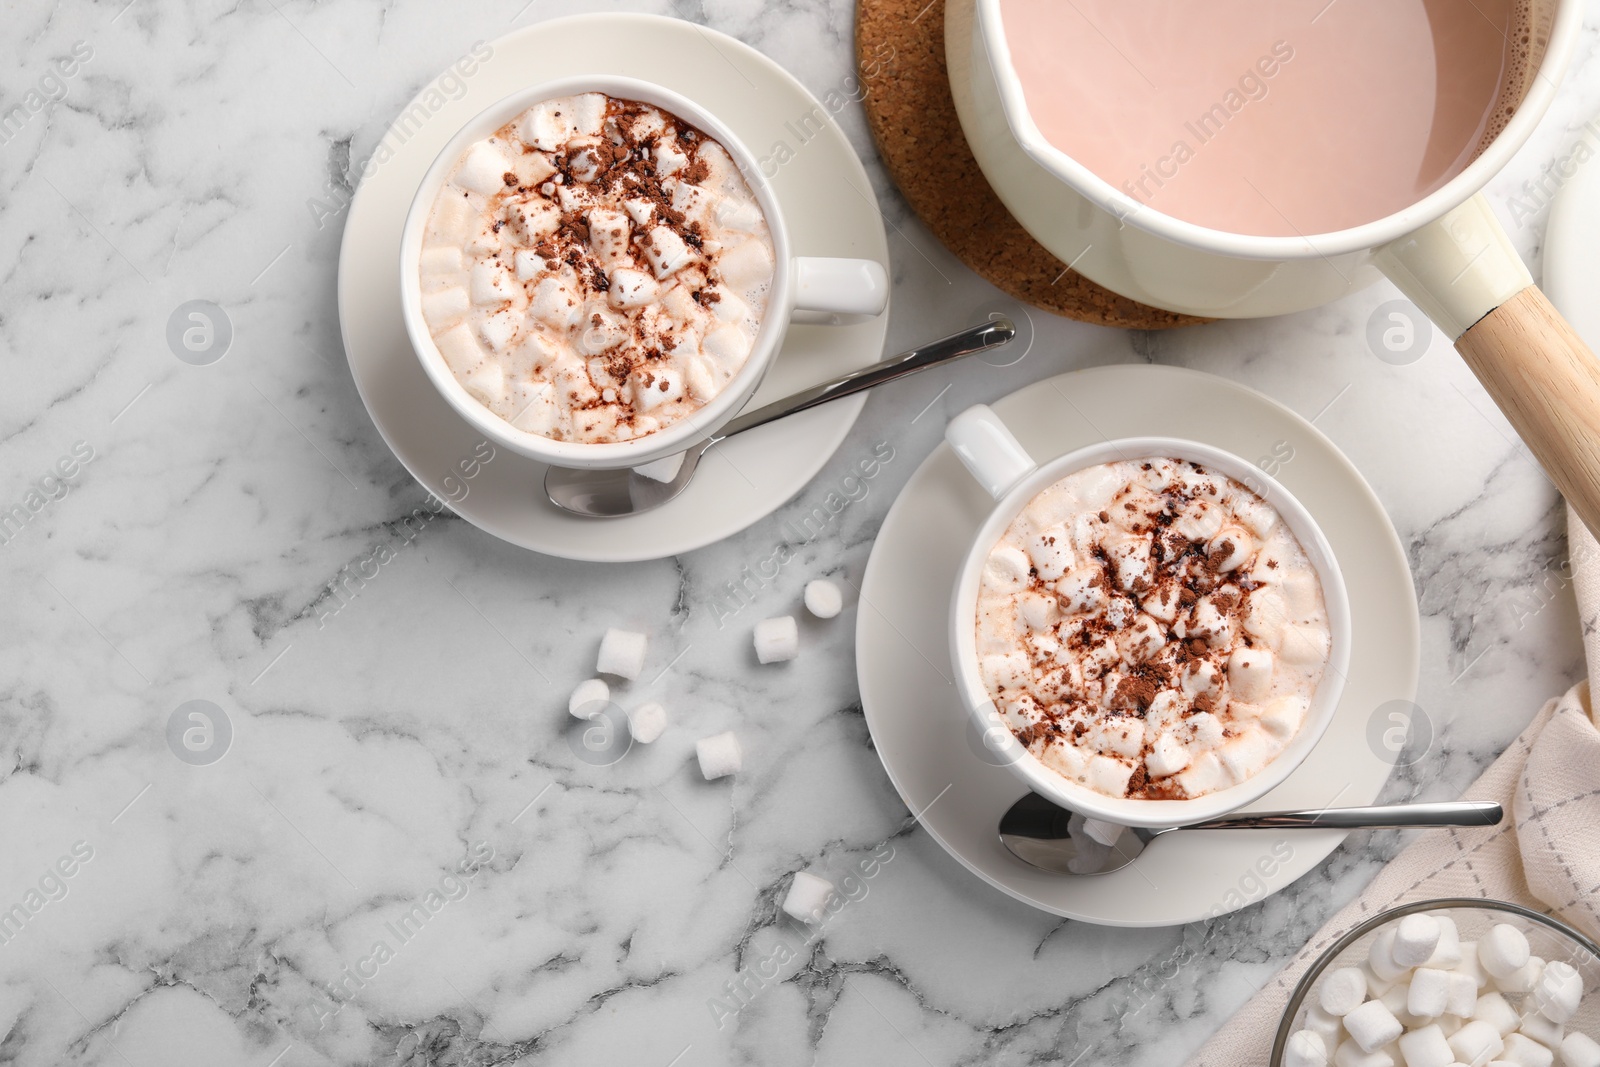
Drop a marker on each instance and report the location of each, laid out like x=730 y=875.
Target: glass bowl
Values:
x=1547 y=938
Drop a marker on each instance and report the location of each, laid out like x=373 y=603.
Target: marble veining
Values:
x=402 y=858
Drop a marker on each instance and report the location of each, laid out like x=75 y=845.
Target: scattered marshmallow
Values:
x=622 y=653
x=1415 y=939
x=719 y=755
x=647 y=722
x=808 y=896
x=1305 y=1049
x=594 y=691
x=777 y=640
x=1503 y=950
x=823 y=598
x=1426 y=1047
x=1372 y=1026
x=1342 y=991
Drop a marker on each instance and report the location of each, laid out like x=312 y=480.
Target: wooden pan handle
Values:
x=1547 y=382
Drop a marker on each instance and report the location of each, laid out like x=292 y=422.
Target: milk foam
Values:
x=1151 y=629
x=595 y=270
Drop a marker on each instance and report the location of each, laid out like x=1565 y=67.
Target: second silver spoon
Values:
x=1035 y=830
x=610 y=494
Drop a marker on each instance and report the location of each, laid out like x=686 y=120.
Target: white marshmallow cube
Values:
x=1494 y=1009
x=1396 y=999
x=1342 y=991
x=1558 y=991
x=1167 y=756
x=622 y=653
x=1376 y=987
x=1329 y=1027
x=719 y=755
x=1526 y=1052
x=777 y=640
x=1349 y=1054
x=1430 y=989
x=823 y=598
x=1415 y=939
x=647 y=722
x=587 y=694
x=807 y=899
x=1372 y=1026
x=1478 y=1041
x=483 y=170
x=1250 y=673
x=1503 y=950
x=1380 y=957
x=1470 y=965
x=1461 y=995
x=1305 y=1048
x=1523 y=979
x=1542 y=1030
x=1426 y=1048
x=1580 y=1050
x=1448 y=953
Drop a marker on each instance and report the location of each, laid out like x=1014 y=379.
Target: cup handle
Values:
x=832 y=292
x=988 y=450
x=1464 y=274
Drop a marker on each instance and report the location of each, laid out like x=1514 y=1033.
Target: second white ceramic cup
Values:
x=1011 y=476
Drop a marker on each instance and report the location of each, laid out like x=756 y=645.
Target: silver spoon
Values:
x=607 y=494
x=1035 y=829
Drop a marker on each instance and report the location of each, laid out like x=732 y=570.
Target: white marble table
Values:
x=404 y=738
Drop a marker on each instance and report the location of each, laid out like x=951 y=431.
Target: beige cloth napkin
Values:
x=1545 y=855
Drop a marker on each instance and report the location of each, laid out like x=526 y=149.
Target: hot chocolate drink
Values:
x=1151 y=629
x=1272 y=117
x=595 y=270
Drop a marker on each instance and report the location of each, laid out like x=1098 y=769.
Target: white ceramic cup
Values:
x=804 y=289
x=1009 y=474
x=1447 y=252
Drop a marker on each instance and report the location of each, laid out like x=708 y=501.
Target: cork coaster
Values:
x=914 y=124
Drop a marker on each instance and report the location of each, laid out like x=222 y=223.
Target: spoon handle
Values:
x=1453 y=813
x=990 y=334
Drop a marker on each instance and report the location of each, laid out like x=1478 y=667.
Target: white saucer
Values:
x=831 y=211
x=924 y=737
